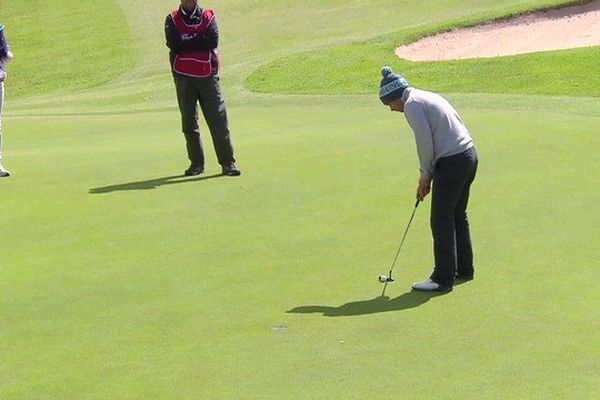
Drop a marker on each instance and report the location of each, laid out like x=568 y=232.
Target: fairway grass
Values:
x=121 y=279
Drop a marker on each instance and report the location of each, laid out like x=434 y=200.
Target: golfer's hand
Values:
x=7 y=57
x=423 y=188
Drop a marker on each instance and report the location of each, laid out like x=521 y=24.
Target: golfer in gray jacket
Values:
x=447 y=159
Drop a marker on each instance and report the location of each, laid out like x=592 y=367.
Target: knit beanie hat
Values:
x=392 y=86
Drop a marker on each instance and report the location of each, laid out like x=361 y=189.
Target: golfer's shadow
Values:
x=152 y=183
x=379 y=304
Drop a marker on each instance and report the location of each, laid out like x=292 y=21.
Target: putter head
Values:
x=385 y=278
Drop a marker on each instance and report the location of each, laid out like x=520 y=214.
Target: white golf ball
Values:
x=383 y=278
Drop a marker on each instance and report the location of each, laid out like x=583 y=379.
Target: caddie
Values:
x=192 y=36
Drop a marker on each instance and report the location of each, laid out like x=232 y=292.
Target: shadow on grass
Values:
x=152 y=183
x=379 y=304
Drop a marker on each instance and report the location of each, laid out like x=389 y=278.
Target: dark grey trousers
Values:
x=452 y=249
x=207 y=93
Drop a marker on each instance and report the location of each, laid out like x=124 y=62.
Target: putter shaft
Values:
x=402 y=241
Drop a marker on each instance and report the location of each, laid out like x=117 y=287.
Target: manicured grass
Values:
x=61 y=45
x=354 y=69
x=123 y=280
x=120 y=279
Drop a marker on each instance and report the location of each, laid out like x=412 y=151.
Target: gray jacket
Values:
x=439 y=131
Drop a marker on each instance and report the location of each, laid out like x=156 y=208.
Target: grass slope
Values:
x=121 y=279
x=61 y=46
x=351 y=68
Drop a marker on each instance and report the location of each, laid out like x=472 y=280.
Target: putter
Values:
x=386 y=279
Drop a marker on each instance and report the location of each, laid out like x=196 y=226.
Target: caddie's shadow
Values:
x=152 y=183
x=379 y=304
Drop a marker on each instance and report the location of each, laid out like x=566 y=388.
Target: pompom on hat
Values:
x=392 y=86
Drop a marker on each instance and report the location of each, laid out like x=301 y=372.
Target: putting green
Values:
x=121 y=279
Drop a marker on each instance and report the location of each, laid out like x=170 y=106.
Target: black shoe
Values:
x=231 y=170
x=194 y=170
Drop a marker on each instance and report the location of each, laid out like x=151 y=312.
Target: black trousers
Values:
x=207 y=93
x=452 y=248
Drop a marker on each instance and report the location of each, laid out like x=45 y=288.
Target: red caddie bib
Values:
x=197 y=64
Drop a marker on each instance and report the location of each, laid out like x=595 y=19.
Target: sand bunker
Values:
x=569 y=27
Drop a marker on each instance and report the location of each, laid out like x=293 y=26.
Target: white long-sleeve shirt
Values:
x=439 y=131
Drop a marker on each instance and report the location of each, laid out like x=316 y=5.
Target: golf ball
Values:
x=383 y=278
